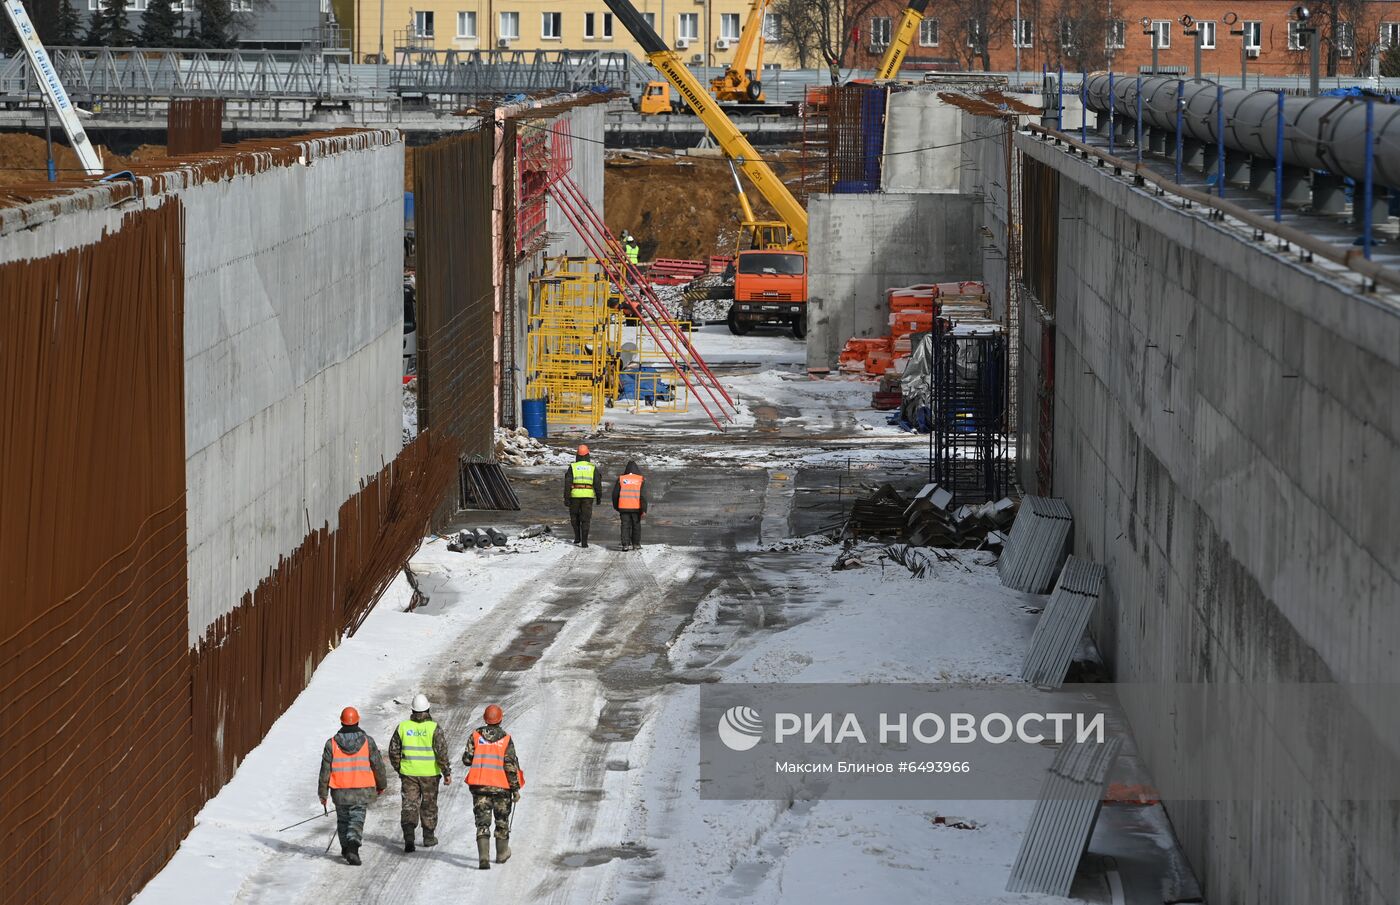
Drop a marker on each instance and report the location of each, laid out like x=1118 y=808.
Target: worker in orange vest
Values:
x=630 y=501
x=352 y=772
x=495 y=778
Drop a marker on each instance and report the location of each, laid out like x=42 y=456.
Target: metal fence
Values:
x=453 y=182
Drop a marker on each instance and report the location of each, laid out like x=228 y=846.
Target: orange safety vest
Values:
x=629 y=491
x=351 y=771
x=488 y=762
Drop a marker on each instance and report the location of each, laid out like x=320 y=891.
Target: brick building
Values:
x=1094 y=34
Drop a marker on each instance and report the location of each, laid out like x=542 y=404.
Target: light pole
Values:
x=1190 y=26
x=1149 y=29
x=1231 y=19
x=1302 y=15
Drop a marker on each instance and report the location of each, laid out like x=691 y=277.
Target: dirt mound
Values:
x=681 y=207
x=23 y=158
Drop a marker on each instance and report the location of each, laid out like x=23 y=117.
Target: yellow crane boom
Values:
x=735 y=146
x=908 y=26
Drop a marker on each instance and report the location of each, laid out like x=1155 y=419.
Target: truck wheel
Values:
x=799 y=327
x=755 y=91
x=736 y=326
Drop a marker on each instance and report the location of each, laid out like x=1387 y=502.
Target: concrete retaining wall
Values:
x=860 y=245
x=1226 y=430
x=293 y=337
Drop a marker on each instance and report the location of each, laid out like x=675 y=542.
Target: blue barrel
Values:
x=532 y=412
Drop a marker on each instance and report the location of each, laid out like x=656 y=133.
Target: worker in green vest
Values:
x=583 y=486
x=629 y=245
x=418 y=753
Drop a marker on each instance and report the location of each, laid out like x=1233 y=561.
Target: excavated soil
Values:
x=23 y=158
x=682 y=207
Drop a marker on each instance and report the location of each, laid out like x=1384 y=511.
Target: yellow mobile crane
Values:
x=770 y=284
x=739 y=84
x=903 y=36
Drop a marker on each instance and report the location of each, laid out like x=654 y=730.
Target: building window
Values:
x=729 y=26
x=1163 y=30
x=1344 y=37
x=772 y=31
x=1252 y=33
x=1022 y=32
x=974 y=34
x=607 y=27
x=136 y=6
x=880 y=31
x=466 y=25
x=590 y=25
x=928 y=33
x=1066 y=34
x=688 y=26
x=423 y=23
x=551 y=26
x=1390 y=34
x=651 y=21
x=1117 y=37
x=1207 y=29
x=1297 y=37
x=94 y=5
x=508 y=26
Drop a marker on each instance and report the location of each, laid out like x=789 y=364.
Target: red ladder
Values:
x=641 y=300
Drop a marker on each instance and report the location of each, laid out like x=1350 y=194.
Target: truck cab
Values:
x=770 y=287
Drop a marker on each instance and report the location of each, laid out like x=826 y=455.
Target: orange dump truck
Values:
x=770 y=287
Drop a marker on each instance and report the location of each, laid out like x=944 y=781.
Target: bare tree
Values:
x=977 y=26
x=798 y=31
x=1078 y=38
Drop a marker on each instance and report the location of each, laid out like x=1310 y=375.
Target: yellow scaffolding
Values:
x=651 y=382
x=574 y=334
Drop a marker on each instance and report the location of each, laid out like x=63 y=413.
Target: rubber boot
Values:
x=408 y=831
x=502 y=850
x=429 y=838
x=483 y=852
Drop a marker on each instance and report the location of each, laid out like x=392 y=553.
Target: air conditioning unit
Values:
x=503 y=42
x=682 y=43
x=696 y=58
x=722 y=44
x=1252 y=52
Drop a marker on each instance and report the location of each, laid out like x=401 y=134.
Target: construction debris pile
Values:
x=517 y=447
x=930 y=519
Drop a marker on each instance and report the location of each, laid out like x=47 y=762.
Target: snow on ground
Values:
x=238 y=830
x=873 y=625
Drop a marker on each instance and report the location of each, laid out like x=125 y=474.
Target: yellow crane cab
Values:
x=656 y=98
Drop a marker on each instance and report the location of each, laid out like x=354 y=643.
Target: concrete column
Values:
x=1237 y=167
x=1126 y=130
x=1157 y=140
x=1261 y=175
x=1328 y=193
x=1380 y=205
x=1193 y=154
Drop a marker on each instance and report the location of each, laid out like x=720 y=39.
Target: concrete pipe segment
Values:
x=1320 y=133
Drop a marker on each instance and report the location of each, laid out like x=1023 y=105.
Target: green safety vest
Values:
x=417 y=742
x=583 y=480
x=633 y=253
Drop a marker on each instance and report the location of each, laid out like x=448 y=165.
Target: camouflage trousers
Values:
x=485 y=806
x=420 y=794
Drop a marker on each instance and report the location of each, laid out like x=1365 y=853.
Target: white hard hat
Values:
x=420 y=703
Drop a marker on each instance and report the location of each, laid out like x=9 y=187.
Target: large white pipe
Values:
x=1320 y=133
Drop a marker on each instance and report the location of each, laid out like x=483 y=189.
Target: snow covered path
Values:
x=597 y=656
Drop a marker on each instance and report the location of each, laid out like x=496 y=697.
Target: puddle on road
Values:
x=598 y=856
x=525 y=650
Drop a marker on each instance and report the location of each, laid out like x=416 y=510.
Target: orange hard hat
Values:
x=493 y=715
x=583 y=449
x=349 y=716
